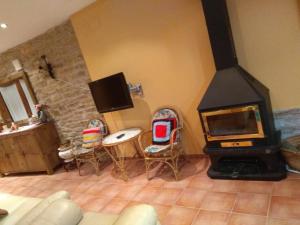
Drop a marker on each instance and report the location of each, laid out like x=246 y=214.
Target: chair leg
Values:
x=183 y=157
x=97 y=170
x=175 y=167
x=147 y=165
x=78 y=164
x=95 y=164
x=66 y=167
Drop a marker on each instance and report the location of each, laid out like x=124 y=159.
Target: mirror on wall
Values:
x=17 y=98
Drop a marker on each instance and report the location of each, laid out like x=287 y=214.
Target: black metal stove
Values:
x=236 y=111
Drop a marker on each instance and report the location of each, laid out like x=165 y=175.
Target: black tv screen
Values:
x=111 y=93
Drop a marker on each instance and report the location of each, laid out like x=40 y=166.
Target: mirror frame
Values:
x=10 y=79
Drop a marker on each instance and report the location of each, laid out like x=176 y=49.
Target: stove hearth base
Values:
x=277 y=175
x=253 y=163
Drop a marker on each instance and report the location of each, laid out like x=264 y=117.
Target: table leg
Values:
x=138 y=151
x=119 y=160
x=122 y=164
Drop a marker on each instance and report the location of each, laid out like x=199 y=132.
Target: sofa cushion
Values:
x=10 y=202
x=59 y=212
x=41 y=206
x=23 y=206
x=138 y=215
x=91 y=218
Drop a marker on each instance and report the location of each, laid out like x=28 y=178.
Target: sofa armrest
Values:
x=138 y=215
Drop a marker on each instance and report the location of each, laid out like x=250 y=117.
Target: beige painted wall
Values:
x=267 y=39
x=162 y=44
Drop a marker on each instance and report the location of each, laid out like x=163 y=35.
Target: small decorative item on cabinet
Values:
x=42 y=113
x=33 y=120
x=13 y=126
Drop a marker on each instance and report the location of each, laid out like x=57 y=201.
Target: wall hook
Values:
x=46 y=66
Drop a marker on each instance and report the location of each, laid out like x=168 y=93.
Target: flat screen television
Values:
x=111 y=93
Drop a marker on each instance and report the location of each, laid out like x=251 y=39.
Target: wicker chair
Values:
x=168 y=153
x=92 y=155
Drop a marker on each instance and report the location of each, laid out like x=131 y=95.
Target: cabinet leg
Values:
x=50 y=171
x=1 y=175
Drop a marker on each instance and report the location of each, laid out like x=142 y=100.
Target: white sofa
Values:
x=58 y=209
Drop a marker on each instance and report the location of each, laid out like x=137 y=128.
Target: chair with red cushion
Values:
x=163 y=142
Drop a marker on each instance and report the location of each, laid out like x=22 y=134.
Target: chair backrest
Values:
x=95 y=123
x=92 y=136
x=168 y=113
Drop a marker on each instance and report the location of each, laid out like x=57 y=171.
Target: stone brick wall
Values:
x=70 y=105
x=288 y=121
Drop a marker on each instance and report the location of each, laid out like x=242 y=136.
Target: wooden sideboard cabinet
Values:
x=30 y=150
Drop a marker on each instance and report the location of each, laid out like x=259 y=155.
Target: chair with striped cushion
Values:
x=90 y=149
x=163 y=142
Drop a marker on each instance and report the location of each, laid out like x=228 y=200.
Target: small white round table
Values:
x=111 y=142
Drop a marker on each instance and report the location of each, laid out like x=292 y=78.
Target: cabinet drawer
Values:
x=35 y=162
x=28 y=144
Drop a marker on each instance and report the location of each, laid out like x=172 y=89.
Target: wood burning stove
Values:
x=236 y=112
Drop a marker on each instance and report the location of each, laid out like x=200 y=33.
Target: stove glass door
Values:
x=235 y=123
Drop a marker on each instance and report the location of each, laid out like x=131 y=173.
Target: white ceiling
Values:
x=29 y=18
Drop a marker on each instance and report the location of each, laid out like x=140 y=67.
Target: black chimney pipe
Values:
x=220 y=34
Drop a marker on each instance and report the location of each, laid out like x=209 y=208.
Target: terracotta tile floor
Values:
x=195 y=199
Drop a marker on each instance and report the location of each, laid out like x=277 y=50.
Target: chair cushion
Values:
x=91 y=137
x=161 y=130
x=80 y=151
x=152 y=149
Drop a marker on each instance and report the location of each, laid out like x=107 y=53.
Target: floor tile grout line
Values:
x=284 y=218
x=196 y=216
x=231 y=211
x=220 y=211
x=239 y=192
x=269 y=205
x=249 y=214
